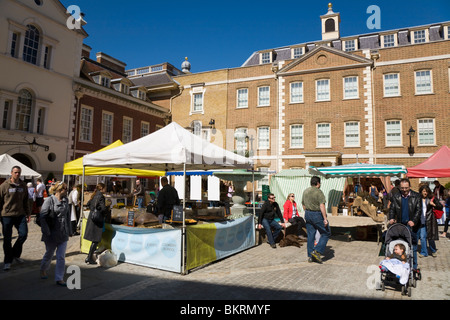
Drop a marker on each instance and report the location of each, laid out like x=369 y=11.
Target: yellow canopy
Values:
x=75 y=167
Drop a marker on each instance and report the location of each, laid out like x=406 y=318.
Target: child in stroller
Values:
x=396 y=267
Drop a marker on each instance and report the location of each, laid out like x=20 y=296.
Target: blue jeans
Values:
x=50 y=248
x=268 y=225
x=422 y=235
x=21 y=224
x=140 y=202
x=314 y=223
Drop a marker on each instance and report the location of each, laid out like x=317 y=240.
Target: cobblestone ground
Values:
x=349 y=272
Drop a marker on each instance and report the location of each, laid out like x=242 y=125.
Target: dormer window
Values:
x=139 y=93
x=297 y=52
x=350 y=45
x=102 y=78
x=266 y=57
x=419 y=36
x=105 y=81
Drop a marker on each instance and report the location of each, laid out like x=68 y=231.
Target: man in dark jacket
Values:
x=269 y=211
x=14 y=213
x=167 y=198
x=406 y=208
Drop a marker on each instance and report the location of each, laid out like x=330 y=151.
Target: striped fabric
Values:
x=361 y=170
x=297 y=181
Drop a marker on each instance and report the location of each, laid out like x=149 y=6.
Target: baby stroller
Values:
x=398 y=233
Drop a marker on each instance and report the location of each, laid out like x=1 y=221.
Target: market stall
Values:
x=436 y=166
x=76 y=167
x=169 y=149
x=7 y=163
x=361 y=210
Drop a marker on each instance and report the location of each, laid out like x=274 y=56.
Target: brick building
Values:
x=109 y=106
x=334 y=101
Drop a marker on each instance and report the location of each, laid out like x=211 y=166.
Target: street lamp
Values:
x=34 y=146
x=411 y=133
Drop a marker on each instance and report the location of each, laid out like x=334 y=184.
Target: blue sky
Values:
x=223 y=34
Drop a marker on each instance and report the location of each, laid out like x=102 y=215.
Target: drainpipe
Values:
x=181 y=88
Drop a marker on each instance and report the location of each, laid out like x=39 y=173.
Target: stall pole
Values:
x=253 y=195
x=183 y=230
x=82 y=203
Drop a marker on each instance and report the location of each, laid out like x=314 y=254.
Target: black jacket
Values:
x=270 y=211
x=415 y=207
x=167 y=198
x=431 y=222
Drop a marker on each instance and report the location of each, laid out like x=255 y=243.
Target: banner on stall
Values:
x=207 y=243
x=154 y=248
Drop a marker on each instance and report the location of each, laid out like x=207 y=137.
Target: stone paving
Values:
x=349 y=272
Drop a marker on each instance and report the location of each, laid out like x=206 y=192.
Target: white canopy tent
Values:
x=171 y=148
x=6 y=164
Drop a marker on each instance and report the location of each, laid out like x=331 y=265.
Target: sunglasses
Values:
x=272 y=198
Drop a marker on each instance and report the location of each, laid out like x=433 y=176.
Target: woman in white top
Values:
x=428 y=230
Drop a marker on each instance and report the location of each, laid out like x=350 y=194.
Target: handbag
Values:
x=97 y=216
x=437 y=213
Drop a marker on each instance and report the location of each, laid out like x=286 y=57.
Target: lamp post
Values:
x=411 y=133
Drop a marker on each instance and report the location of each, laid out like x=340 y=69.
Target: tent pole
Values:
x=82 y=203
x=253 y=195
x=183 y=233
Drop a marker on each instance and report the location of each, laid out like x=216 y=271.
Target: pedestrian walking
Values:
x=94 y=230
x=74 y=199
x=56 y=230
x=313 y=202
x=406 y=209
x=428 y=231
x=14 y=213
x=269 y=211
x=40 y=194
x=447 y=211
x=31 y=197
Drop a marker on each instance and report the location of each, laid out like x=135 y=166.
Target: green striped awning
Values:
x=361 y=170
x=297 y=181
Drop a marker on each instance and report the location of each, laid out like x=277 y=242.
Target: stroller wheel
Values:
x=409 y=292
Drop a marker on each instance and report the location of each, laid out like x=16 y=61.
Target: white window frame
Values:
x=264 y=59
x=417 y=80
x=319 y=93
x=241 y=145
x=110 y=131
x=300 y=94
x=319 y=134
x=263 y=144
x=145 y=128
x=242 y=103
x=261 y=98
x=397 y=133
x=348 y=134
x=394 y=43
x=414 y=39
x=86 y=136
x=350 y=48
x=197 y=91
x=423 y=129
x=300 y=137
x=127 y=133
x=385 y=92
x=350 y=88
x=297 y=52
